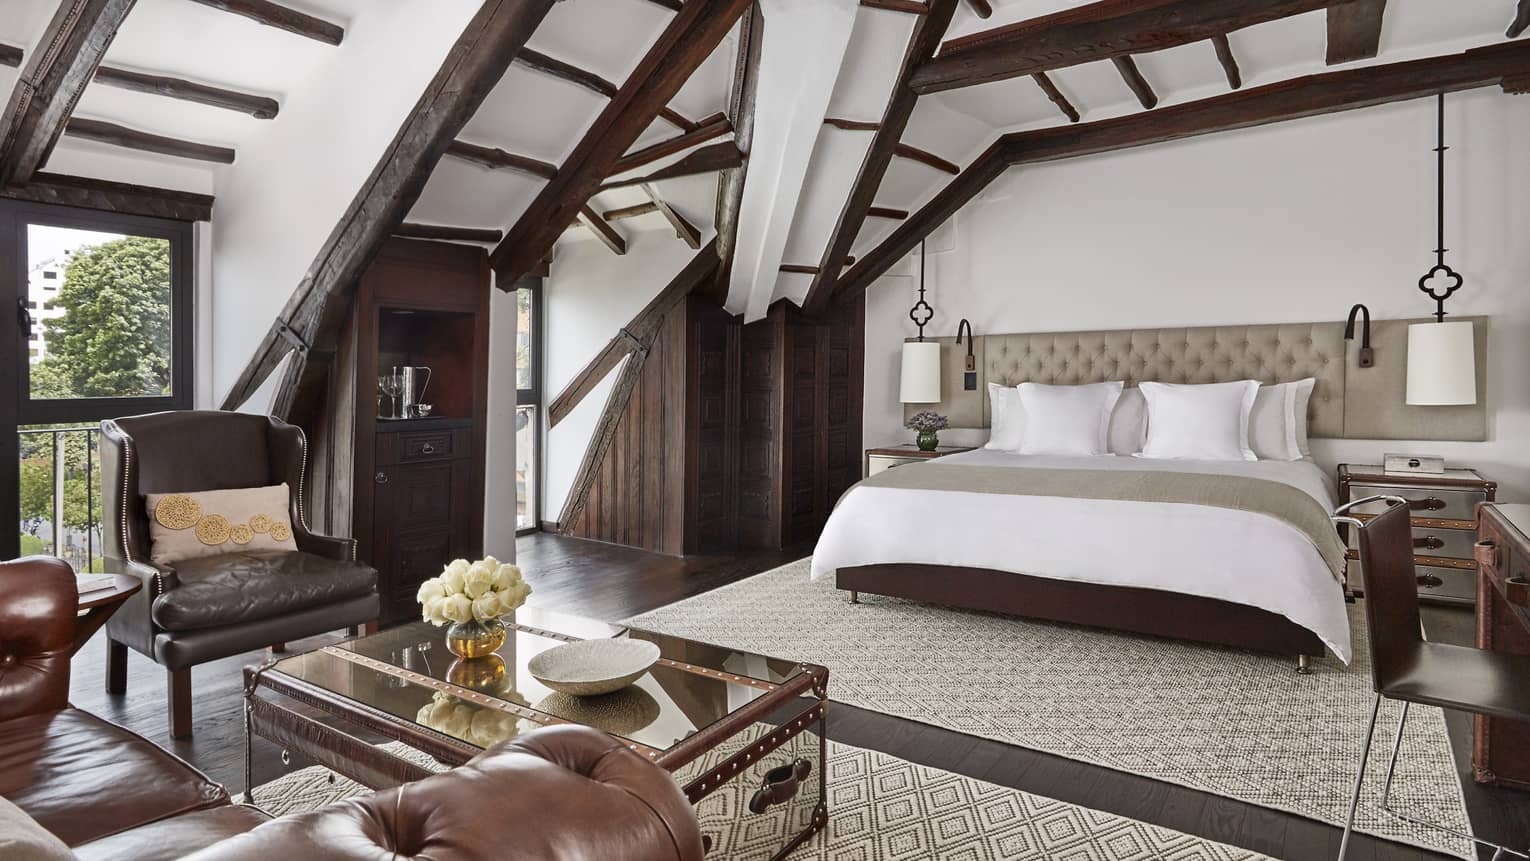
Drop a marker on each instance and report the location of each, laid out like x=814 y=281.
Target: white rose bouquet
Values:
x=481 y=726
x=466 y=591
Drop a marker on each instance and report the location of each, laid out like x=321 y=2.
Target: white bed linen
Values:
x=1236 y=556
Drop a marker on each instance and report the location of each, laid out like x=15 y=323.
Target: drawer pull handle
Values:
x=1486 y=553
x=780 y=785
x=1430 y=581
x=1428 y=542
x=427 y=448
x=1431 y=503
x=381 y=478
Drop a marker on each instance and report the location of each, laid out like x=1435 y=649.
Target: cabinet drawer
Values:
x=1435 y=584
x=1440 y=543
x=882 y=462
x=426 y=445
x=1428 y=503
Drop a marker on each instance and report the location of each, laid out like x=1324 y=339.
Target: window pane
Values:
x=525 y=467
x=101 y=326
x=60 y=494
x=524 y=330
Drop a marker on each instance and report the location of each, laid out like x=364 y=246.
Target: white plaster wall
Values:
x=279 y=202
x=1285 y=223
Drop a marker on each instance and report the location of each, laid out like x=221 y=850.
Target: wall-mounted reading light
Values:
x=969 y=375
x=1367 y=358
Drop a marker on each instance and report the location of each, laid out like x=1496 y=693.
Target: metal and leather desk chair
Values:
x=1407 y=668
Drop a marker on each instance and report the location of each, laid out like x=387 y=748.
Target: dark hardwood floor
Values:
x=608 y=582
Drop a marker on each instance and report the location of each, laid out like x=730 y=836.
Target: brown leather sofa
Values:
x=560 y=793
x=203 y=609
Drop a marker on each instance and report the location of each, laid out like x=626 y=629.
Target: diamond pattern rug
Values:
x=1222 y=721
x=886 y=809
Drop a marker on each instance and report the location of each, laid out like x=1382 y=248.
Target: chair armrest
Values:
x=38 y=603
x=157 y=579
x=560 y=792
x=338 y=549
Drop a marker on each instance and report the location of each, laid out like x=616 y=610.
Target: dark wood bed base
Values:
x=1120 y=608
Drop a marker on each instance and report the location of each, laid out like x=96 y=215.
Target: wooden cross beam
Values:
x=52 y=82
x=415 y=230
x=1521 y=20
x=122 y=136
x=1228 y=61
x=603 y=231
x=497 y=159
x=1055 y=96
x=282 y=18
x=708 y=159
x=1354 y=30
x=710 y=128
x=119 y=197
x=472 y=67
x=1134 y=81
x=590 y=81
x=1308 y=96
x=259 y=107
x=730 y=183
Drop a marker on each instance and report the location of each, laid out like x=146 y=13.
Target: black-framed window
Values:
x=99 y=325
x=528 y=403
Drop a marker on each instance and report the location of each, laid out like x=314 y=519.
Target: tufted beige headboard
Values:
x=1348 y=401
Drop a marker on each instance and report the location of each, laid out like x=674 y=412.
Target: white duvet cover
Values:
x=1236 y=556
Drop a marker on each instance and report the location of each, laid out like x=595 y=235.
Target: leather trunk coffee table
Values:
x=743 y=734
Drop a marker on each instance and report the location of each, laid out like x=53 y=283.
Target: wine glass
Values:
x=391 y=385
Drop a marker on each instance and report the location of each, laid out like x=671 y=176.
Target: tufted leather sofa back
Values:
x=38 y=602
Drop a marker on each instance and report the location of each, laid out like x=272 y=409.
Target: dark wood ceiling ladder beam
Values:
x=122 y=136
x=416 y=230
x=981 y=8
x=1097 y=31
x=641 y=329
x=692 y=35
x=1521 y=20
x=632 y=211
x=1308 y=96
x=852 y=125
x=912 y=7
x=708 y=159
x=1228 y=61
x=884 y=212
x=742 y=96
x=541 y=62
x=1055 y=96
x=52 y=81
x=310 y=319
x=922 y=44
x=1135 y=82
x=495 y=158
x=711 y=128
x=607 y=234
x=685 y=231
x=925 y=157
x=259 y=107
x=282 y=18
x=1354 y=30
x=636 y=349
x=119 y=197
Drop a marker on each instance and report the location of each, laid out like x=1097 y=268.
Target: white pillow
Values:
x=1067 y=420
x=1128 y=423
x=1008 y=424
x=1277 y=424
x=23 y=839
x=1199 y=422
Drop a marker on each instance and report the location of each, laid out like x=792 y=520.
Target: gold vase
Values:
x=487 y=674
x=475 y=639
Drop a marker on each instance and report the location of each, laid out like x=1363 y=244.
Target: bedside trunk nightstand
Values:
x=887 y=457
x=1444 y=524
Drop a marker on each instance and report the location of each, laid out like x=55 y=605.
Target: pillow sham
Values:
x=1007 y=425
x=1199 y=422
x=189 y=525
x=1128 y=423
x=22 y=838
x=1067 y=420
x=1277 y=424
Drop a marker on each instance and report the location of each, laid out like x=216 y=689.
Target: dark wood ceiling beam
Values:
x=122 y=136
x=118 y=197
x=1097 y=31
x=51 y=83
x=1135 y=82
x=710 y=128
x=1308 y=96
x=852 y=125
x=310 y=320
x=632 y=211
x=10 y=55
x=498 y=159
x=671 y=5
x=912 y=7
x=981 y=8
x=603 y=231
x=804 y=269
x=416 y=230
x=708 y=159
x=742 y=96
x=884 y=212
x=538 y=61
x=1521 y=20
x=1055 y=96
x=282 y=18
x=926 y=158
x=259 y=107
x=1354 y=30
x=1229 y=62
x=685 y=231
x=922 y=44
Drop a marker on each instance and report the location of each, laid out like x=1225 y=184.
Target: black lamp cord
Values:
x=1440 y=269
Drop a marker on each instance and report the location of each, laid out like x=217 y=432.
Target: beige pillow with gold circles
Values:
x=209 y=522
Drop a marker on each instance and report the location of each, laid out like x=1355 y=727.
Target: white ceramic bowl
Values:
x=591 y=667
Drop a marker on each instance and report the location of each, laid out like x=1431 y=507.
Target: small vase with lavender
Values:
x=928 y=424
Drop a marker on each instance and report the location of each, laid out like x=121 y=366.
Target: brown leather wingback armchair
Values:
x=199 y=610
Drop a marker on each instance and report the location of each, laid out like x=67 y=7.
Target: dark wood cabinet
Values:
x=410 y=491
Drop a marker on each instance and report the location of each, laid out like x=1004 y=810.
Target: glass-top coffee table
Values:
x=743 y=734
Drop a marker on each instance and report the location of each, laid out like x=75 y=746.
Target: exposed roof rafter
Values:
x=259 y=107
x=1354 y=30
x=708 y=159
x=1229 y=62
x=1134 y=81
x=282 y=18
x=497 y=159
x=122 y=136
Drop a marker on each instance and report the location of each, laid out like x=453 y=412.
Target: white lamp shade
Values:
x=1442 y=364
x=921 y=373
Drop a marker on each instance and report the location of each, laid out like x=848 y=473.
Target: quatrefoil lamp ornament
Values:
x=1442 y=357
x=920 y=378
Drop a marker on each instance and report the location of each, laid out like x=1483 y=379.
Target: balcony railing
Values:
x=60 y=494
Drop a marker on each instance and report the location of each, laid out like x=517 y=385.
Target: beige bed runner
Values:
x=1260 y=496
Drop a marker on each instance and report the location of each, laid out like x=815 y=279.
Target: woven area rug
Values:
x=1222 y=721
x=883 y=808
